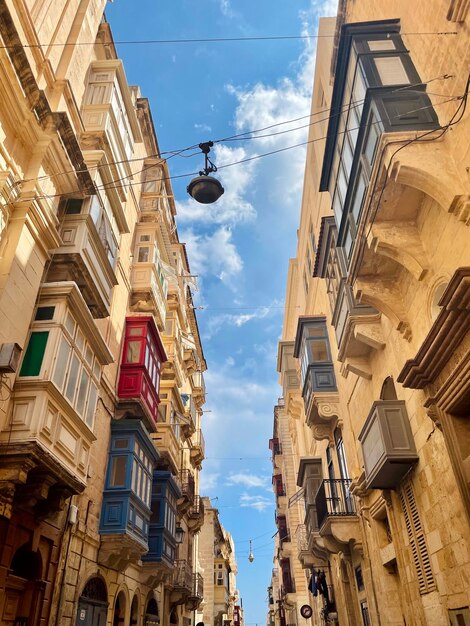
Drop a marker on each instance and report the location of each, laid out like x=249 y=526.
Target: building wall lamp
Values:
x=204 y=188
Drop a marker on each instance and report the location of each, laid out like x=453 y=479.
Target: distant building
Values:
x=221 y=606
x=101 y=364
x=371 y=439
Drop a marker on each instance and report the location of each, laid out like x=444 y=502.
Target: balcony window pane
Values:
x=118 y=471
x=358 y=198
x=372 y=138
x=337 y=208
x=34 y=354
x=348 y=242
x=315 y=331
x=90 y=411
x=44 y=313
x=61 y=363
x=136 y=331
x=72 y=379
x=342 y=183
x=319 y=350
x=70 y=324
x=391 y=70
x=120 y=444
x=133 y=351
x=143 y=254
x=144 y=238
x=381 y=44
x=82 y=391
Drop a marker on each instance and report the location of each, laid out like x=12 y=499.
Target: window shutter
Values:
x=417 y=540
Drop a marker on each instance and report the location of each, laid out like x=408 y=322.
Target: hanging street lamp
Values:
x=251 y=558
x=204 y=188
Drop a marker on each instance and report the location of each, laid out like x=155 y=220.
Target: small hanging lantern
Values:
x=251 y=558
x=204 y=188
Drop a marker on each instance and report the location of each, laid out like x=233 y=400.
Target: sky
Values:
x=239 y=247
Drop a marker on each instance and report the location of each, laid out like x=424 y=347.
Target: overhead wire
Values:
x=420 y=139
x=127 y=42
x=223 y=166
x=235 y=137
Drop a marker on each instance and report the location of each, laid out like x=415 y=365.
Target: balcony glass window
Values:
x=127 y=493
x=372 y=62
x=34 y=354
x=162 y=533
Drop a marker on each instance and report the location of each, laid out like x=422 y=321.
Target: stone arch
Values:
x=119 y=612
x=388 y=391
x=92 y=606
x=135 y=610
x=26 y=563
x=152 y=613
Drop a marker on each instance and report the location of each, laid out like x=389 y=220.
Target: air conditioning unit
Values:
x=9 y=357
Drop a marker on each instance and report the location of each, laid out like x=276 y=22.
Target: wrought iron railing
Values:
x=198 y=586
x=334 y=498
x=187 y=484
x=182 y=575
x=197 y=508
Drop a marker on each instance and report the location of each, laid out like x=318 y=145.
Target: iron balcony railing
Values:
x=187 y=484
x=182 y=575
x=198 y=586
x=199 y=441
x=197 y=508
x=333 y=499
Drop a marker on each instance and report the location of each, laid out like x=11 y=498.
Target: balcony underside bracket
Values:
x=384 y=295
x=357 y=365
x=395 y=240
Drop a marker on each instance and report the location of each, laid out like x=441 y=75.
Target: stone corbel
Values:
x=401 y=242
x=385 y=296
x=357 y=365
x=295 y=407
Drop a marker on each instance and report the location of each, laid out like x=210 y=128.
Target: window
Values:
x=44 y=313
x=34 y=354
x=76 y=373
x=365 y=613
x=305 y=282
x=391 y=70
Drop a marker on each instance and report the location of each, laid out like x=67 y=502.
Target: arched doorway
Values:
x=151 y=613
x=134 y=616
x=93 y=604
x=119 y=610
x=24 y=589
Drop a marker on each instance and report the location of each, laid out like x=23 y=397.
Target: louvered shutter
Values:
x=417 y=540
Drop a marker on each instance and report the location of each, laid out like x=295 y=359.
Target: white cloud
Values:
x=260 y=503
x=214 y=253
x=217 y=322
x=247 y=480
x=208 y=481
x=203 y=127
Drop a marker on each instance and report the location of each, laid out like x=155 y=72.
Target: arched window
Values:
x=26 y=563
x=134 y=617
x=95 y=589
x=151 y=613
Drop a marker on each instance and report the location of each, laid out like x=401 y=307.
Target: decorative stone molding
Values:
x=323 y=407
x=295 y=406
x=445 y=335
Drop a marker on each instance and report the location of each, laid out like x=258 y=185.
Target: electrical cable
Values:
x=419 y=139
x=241 y=161
x=238 y=136
x=127 y=42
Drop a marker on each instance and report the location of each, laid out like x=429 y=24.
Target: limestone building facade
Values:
x=221 y=605
x=101 y=364
x=375 y=351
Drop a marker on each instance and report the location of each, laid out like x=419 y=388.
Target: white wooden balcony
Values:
x=167 y=445
x=83 y=258
x=147 y=287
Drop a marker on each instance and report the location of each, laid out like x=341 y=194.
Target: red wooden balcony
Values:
x=139 y=377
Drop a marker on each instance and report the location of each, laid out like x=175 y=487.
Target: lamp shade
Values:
x=205 y=189
x=179 y=534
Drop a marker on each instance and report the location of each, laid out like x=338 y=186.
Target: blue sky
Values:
x=240 y=246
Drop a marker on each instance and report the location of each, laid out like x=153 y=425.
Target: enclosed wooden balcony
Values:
x=148 y=292
x=387 y=444
x=304 y=551
x=168 y=445
x=45 y=454
x=83 y=258
x=139 y=376
x=188 y=426
x=276 y=449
